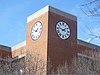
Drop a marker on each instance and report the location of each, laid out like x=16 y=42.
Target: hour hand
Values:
x=65 y=29
x=61 y=28
x=36 y=30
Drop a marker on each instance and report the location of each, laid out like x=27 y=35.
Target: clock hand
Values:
x=36 y=30
x=65 y=29
x=61 y=28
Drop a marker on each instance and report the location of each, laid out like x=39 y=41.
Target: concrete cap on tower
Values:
x=53 y=10
x=22 y=44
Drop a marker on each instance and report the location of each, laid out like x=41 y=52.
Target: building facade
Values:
x=52 y=33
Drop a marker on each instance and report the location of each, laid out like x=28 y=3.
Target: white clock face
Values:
x=36 y=30
x=63 y=30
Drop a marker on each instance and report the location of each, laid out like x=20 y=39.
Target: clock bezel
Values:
x=67 y=25
x=40 y=33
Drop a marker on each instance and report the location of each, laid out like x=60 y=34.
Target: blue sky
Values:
x=14 y=13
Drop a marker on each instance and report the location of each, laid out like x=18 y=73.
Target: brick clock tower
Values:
x=53 y=34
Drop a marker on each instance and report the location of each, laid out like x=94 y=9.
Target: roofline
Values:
x=53 y=10
x=5 y=48
x=89 y=45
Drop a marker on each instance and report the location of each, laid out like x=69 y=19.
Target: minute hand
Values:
x=64 y=29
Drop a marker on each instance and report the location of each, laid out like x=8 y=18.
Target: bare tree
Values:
x=31 y=64
x=81 y=65
x=34 y=65
x=91 y=8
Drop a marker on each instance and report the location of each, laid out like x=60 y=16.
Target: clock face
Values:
x=63 y=30
x=36 y=30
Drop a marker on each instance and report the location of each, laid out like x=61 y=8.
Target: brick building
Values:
x=53 y=34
